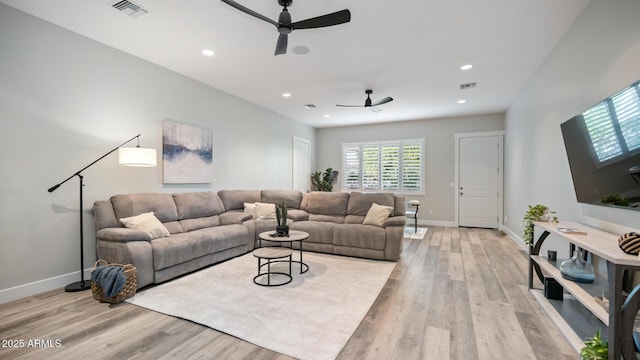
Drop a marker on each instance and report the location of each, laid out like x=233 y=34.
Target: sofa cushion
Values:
x=235 y=199
x=200 y=223
x=292 y=198
x=227 y=236
x=146 y=222
x=319 y=232
x=377 y=214
x=360 y=203
x=179 y=248
x=359 y=236
x=162 y=205
x=326 y=203
x=196 y=205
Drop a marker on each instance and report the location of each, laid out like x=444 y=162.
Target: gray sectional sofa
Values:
x=206 y=228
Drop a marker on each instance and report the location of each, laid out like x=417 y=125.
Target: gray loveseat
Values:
x=206 y=228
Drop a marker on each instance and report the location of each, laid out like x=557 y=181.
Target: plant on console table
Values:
x=536 y=213
x=282 y=229
x=595 y=348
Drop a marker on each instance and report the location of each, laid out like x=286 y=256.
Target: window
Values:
x=613 y=125
x=393 y=166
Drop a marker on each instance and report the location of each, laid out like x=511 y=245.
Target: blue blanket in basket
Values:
x=110 y=278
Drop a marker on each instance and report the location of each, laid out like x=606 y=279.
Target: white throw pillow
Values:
x=148 y=223
x=265 y=211
x=250 y=209
x=377 y=214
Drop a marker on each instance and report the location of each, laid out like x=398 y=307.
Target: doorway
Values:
x=479 y=179
x=301 y=164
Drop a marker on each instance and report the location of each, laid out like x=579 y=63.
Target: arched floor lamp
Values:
x=129 y=156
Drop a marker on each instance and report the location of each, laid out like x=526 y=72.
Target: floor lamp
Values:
x=129 y=156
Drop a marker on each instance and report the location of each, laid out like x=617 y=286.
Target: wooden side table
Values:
x=270 y=254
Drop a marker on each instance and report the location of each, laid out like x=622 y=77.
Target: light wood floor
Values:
x=457 y=294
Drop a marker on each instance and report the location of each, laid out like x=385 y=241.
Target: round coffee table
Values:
x=270 y=254
x=294 y=235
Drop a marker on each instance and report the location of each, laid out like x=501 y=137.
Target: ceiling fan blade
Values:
x=281 y=46
x=250 y=12
x=336 y=18
x=383 y=101
x=349 y=105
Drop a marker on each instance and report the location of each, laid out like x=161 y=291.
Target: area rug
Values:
x=409 y=233
x=312 y=317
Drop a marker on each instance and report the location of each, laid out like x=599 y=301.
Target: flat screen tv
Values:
x=603 y=148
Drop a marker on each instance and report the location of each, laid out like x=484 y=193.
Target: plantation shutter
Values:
x=390 y=159
x=394 y=166
x=411 y=167
x=370 y=167
x=351 y=167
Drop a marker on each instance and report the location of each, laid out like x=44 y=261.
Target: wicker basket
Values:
x=128 y=290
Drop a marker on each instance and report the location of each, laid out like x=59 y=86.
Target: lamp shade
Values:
x=137 y=156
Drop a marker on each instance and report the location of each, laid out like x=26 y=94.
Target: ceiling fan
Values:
x=370 y=104
x=285 y=26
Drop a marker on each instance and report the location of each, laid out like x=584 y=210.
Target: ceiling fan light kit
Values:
x=285 y=26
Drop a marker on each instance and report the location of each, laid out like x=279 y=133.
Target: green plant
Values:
x=281 y=214
x=324 y=181
x=595 y=348
x=535 y=213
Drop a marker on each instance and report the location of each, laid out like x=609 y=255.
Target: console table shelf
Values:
x=618 y=321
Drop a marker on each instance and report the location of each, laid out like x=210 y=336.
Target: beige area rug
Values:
x=312 y=317
x=409 y=233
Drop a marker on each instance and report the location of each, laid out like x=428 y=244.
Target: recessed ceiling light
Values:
x=326 y=115
x=286 y=95
x=462 y=101
x=207 y=52
x=466 y=67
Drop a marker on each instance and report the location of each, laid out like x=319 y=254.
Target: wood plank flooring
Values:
x=457 y=294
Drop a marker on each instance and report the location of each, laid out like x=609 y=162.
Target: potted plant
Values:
x=536 y=213
x=324 y=181
x=595 y=348
x=282 y=229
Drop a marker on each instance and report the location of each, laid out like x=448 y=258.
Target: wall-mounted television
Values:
x=603 y=149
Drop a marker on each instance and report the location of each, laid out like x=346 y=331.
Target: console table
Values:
x=618 y=321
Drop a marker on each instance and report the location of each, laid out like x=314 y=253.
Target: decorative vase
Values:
x=282 y=231
x=578 y=268
x=545 y=217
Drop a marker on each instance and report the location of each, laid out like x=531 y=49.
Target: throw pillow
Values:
x=377 y=214
x=265 y=211
x=250 y=209
x=148 y=223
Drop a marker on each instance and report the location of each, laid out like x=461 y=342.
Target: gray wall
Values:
x=65 y=100
x=597 y=57
x=439 y=153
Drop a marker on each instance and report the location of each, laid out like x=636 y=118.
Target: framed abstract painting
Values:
x=187 y=154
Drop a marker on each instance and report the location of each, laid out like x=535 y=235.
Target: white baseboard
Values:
x=40 y=286
x=515 y=237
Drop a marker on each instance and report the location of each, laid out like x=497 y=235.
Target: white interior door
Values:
x=301 y=164
x=479 y=174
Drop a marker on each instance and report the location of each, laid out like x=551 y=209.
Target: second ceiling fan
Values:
x=285 y=26
x=368 y=103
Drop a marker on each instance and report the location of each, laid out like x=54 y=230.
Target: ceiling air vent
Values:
x=130 y=8
x=468 y=86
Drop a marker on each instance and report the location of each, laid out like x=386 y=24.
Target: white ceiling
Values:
x=410 y=50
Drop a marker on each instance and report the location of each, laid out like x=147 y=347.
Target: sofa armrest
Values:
x=229 y=218
x=122 y=235
x=297 y=215
x=395 y=221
